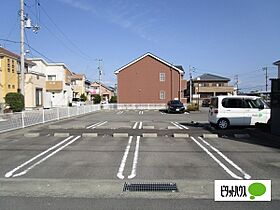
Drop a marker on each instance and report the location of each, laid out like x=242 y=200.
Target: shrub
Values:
x=192 y=107
x=97 y=99
x=113 y=99
x=15 y=101
x=83 y=97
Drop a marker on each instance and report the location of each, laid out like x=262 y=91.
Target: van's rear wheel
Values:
x=223 y=124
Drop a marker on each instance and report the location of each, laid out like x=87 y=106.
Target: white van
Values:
x=237 y=110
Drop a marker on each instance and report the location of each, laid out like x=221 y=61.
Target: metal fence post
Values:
x=57 y=113
x=22 y=119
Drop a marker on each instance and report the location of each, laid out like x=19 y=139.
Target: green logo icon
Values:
x=256 y=189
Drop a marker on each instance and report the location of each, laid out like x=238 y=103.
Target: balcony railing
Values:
x=54 y=85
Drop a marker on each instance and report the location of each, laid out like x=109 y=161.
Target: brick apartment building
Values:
x=150 y=79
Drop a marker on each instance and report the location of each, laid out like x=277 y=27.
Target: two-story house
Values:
x=78 y=85
x=104 y=91
x=9 y=72
x=150 y=79
x=207 y=85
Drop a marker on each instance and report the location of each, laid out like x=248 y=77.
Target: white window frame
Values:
x=162 y=77
x=162 y=95
x=51 y=77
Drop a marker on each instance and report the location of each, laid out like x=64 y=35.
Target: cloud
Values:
x=127 y=14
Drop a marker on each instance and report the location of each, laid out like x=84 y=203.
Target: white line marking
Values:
x=45 y=158
x=182 y=126
x=176 y=125
x=135 y=125
x=10 y=173
x=246 y=176
x=120 y=112
x=217 y=160
x=99 y=124
x=122 y=165
x=93 y=125
x=135 y=159
x=140 y=125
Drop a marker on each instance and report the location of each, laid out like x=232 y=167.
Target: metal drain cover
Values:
x=151 y=187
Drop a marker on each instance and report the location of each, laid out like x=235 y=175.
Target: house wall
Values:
x=32 y=82
x=8 y=79
x=140 y=82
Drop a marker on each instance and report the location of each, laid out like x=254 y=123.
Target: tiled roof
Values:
x=277 y=62
x=211 y=77
x=5 y=52
x=155 y=57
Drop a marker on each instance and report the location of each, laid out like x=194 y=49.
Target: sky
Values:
x=223 y=37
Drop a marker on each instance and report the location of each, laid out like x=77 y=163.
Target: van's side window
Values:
x=232 y=103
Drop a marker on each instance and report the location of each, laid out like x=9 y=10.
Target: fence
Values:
x=12 y=121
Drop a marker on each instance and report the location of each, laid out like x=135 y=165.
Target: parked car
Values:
x=77 y=102
x=225 y=111
x=206 y=102
x=175 y=106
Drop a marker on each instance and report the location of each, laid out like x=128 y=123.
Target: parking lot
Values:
x=93 y=155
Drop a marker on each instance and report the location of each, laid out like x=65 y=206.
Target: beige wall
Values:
x=33 y=81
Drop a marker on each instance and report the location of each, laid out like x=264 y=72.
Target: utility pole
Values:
x=190 y=70
x=22 y=24
x=100 y=75
x=266 y=77
x=236 y=83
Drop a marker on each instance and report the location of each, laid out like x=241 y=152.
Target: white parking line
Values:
x=246 y=176
x=11 y=173
x=179 y=125
x=176 y=125
x=140 y=125
x=141 y=112
x=102 y=123
x=135 y=125
x=135 y=159
x=122 y=165
x=93 y=125
x=233 y=175
x=120 y=112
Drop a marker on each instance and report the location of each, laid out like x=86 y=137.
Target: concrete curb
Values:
x=210 y=136
x=78 y=127
x=148 y=127
x=55 y=126
x=89 y=135
x=120 y=134
x=181 y=135
x=240 y=136
x=172 y=127
x=61 y=134
x=31 y=135
x=149 y=135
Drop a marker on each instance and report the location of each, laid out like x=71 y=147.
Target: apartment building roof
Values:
x=277 y=63
x=5 y=52
x=177 y=68
x=103 y=85
x=211 y=77
x=77 y=76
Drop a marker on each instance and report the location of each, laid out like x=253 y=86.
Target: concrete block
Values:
x=149 y=135
x=181 y=135
x=55 y=126
x=172 y=127
x=31 y=135
x=89 y=135
x=120 y=135
x=210 y=135
x=61 y=134
x=148 y=127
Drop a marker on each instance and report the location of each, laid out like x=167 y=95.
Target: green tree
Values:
x=113 y=99
x=97 y=99
x=15 y=101
x=83 y=97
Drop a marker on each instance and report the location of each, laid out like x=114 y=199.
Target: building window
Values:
x=51 y=77
x=38 y=77
x=162 y=77
x=162 y=95
x=13 y=86
x=9 y=86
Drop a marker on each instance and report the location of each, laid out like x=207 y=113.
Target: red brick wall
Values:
x=139 y=82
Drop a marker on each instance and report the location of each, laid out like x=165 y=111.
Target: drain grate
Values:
x=143 y=187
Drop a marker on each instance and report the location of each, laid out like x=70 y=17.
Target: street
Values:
x=84 y=162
